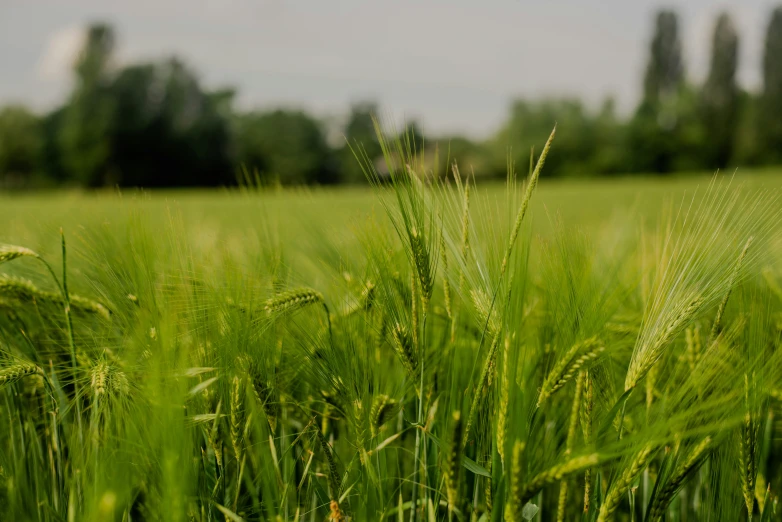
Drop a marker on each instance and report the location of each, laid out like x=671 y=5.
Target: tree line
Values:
x=154 y=125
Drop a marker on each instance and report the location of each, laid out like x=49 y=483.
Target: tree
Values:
x=665 y=71
x=21 y=142
x=168 y=132
x=89 y=118
x=52 y=163
x=286 y=146
x=652 y=133
x=530 y=124
x=770 y=131
x=470 y=156
x=608 y=156
x=360 y=139
x=720 y=95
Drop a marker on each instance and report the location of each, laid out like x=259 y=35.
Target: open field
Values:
x=220 y=214
x=413 y=352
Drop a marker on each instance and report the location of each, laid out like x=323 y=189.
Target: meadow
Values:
x=425 y=349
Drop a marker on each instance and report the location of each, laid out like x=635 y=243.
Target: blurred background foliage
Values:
x=155 y=125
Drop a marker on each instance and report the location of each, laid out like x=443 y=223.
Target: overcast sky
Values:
x=453 y=64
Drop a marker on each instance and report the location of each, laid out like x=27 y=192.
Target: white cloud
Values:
x=61 y=50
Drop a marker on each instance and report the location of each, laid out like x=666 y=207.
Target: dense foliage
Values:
x=446 y=365
x=154 y=124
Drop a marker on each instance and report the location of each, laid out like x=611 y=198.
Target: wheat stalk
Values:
x=213 y=435
x=403 y=346
x=11 y=252
x=502 y=413
x=586 y=427
x=570 y=439
x=292 y=300
x=382 y=408
x=100 y=378
x=266 y=397
x=692 y=338
x=368 y=295
x=557 y=473
x=480 y=385
x=577 y=357
x=421 y=263
x=237 y=417
x=674 y=483
x=531 y=184
x=651 y=383
x=334 y=480
x=465 y=239
x=748 y=447
x=26 y=291
x=483 y=307
x=11 y=374
x=623 y=483
x=414 y=312
x=717 y=326
x=452 y=462
x=118 y=382
x=645 y=357
x=515 y=494
x=446 y=284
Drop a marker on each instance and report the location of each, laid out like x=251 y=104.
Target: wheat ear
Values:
x=502 y=413
x=11 y=374
x=586 y=427
x=453 y=462
x=515 y=494
x=623 y=483
x=571 y=436
x=531 y=184
x=292 y=300
x=645 y=357
x=237 y=418
x=404 y=348
x=446 y=284
x=11 y=252
x=717 y=326
x=334 y=480
x=576 y=358
x=382 y=408
x=266 y=397
x=557 y=473
x=674 y=483
x=748 y=438
x=482 y=382
x=24 y=290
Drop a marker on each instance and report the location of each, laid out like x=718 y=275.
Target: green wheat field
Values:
x=427 y=349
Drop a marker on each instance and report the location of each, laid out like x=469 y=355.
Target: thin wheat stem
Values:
x=531 y=184
x=69 y=323
x=569 y=441
x=717 y=326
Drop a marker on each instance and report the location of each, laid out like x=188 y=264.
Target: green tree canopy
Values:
x=771 y=98
x=288 y=146
x=720 y=95
x=21 y=143
x=360 y=138
x=665 y=70
x=657 y=127
x=85 y=134
x=530 y=124
x=168 y=132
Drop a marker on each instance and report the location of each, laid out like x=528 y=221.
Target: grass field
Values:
x=411 y=352
x=222 y=214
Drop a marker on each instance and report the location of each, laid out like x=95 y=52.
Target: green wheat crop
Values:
x=439 y=359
